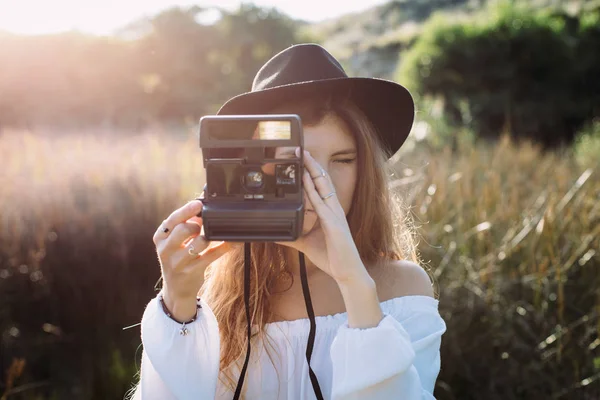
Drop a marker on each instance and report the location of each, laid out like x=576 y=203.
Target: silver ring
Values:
x=328 y=195
x=191 y=251
x=323 y=174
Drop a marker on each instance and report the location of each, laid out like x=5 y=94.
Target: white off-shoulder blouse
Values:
x=398 y=359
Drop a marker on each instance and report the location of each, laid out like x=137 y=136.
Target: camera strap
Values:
x=311 y=316
x=313 y=326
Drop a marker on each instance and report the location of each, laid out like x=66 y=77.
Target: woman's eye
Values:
x=346 y=160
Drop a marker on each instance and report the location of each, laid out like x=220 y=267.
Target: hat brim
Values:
x=388 y=105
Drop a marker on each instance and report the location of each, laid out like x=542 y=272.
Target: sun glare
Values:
x=104 y=17
x=101 y=17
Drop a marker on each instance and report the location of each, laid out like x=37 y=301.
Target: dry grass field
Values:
x=511 y=235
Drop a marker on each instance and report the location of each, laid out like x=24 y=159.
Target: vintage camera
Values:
x=253 y=190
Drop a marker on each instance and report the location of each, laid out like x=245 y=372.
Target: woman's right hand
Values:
x=184 y=254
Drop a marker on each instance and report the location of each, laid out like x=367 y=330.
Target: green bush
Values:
x=531 y=73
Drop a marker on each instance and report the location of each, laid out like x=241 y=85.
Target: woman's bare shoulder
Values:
x=398 y=278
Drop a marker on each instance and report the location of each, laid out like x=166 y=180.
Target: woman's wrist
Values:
x=180 y=310
x=362 y=303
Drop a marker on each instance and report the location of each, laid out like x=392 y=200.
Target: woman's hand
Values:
x=184 y=255
x=330 y=247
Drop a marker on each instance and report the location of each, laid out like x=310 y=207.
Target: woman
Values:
x=378 y=329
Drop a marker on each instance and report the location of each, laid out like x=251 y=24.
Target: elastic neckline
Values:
x=396 y=305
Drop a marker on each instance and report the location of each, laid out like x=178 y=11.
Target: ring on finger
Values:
x=164 y=228
x=328 y=195
x=323 y=174
x=191 y=251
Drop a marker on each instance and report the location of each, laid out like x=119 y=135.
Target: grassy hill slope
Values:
x=368 y=43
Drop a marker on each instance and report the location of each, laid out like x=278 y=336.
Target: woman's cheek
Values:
x=310 y=218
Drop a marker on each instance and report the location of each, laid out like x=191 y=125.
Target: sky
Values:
x=103 y=17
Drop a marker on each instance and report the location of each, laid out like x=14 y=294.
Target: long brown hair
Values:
x=380 y=229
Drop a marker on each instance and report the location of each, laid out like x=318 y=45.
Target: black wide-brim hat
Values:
x=306 y=70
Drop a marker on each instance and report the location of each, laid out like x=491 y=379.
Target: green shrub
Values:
x=531 y=73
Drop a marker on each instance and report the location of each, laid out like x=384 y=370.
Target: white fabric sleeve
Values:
x=175 y=366
x=390 y=361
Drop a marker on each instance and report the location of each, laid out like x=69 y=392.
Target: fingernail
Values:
x=297 y=151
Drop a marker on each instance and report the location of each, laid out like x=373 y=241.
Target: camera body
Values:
x=253 y=190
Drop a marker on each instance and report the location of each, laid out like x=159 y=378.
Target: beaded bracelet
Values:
x=183 y=331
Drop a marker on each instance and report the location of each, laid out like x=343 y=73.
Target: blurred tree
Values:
x=171 y=67
x=587 y=63
x=248 y=38
x=176 y=74
x=65 y=79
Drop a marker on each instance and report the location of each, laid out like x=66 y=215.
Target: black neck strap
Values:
x=313 y=326
x=311 y=316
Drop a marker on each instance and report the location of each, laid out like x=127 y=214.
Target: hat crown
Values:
x=298 y=63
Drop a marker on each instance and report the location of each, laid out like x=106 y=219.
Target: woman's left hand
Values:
x=330 y=247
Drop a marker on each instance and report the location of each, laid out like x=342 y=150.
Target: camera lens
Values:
x=253 y=179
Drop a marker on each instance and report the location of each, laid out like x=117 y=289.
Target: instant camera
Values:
x=250 y=194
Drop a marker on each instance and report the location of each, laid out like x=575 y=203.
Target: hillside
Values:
x=368 y=43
